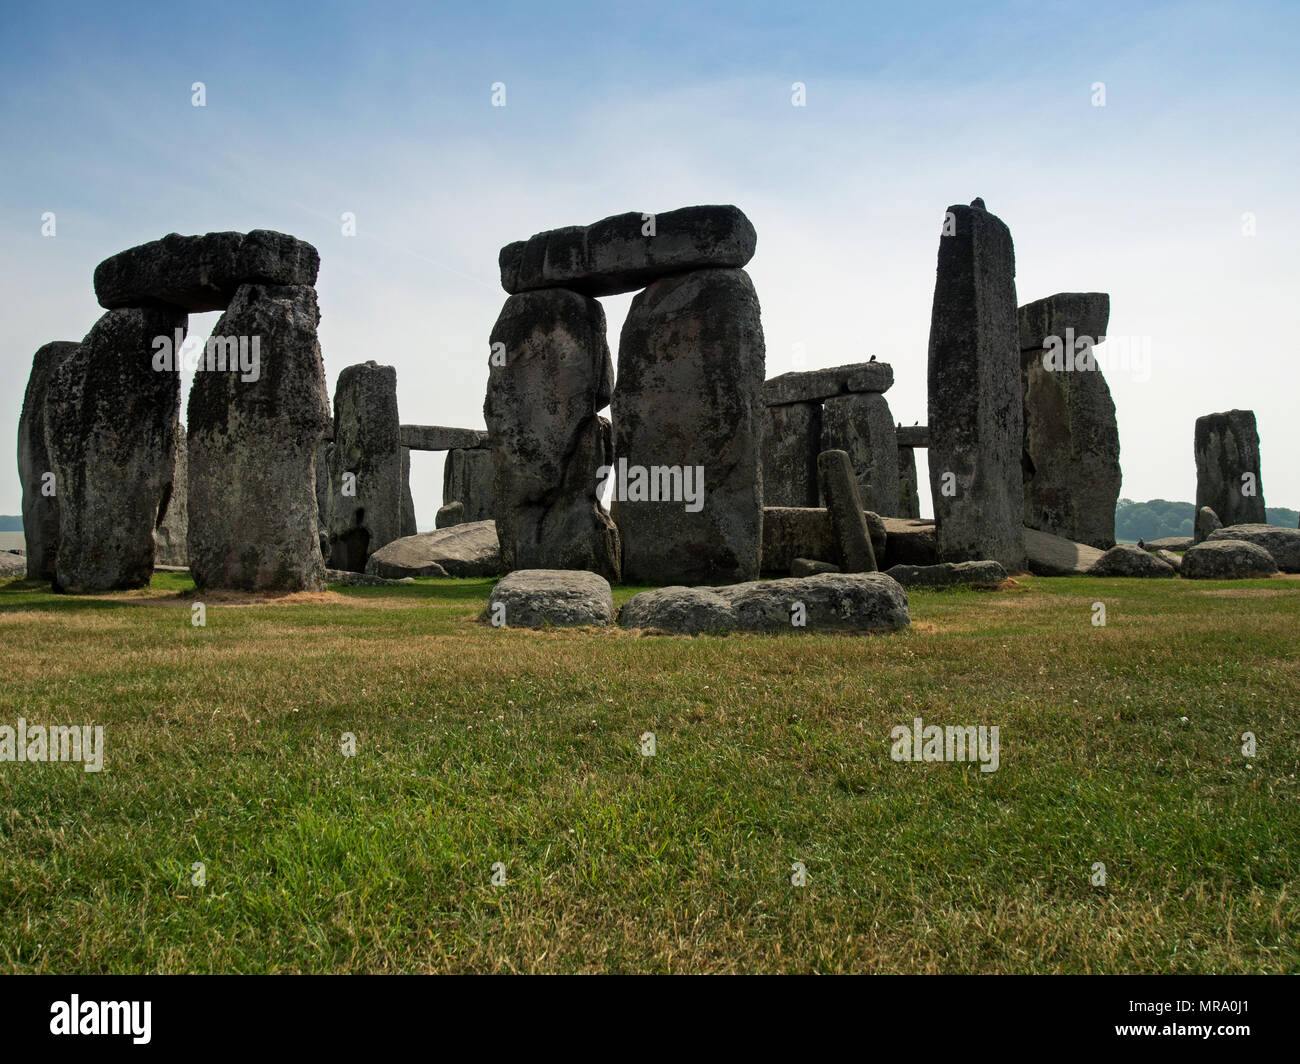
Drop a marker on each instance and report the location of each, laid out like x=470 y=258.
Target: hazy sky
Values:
x=386 y=111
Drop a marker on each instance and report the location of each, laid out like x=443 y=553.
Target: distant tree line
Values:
x=1158 y=518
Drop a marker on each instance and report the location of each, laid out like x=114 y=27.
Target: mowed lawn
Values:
x=1119 y=744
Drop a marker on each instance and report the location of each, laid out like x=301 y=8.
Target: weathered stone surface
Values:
x=12 y=565
x=1071 y=439
x=467 y=478
x=1086 y=313
x=1127 y=560
x=323 y=491
x=830 y=601
x=468 y=549
x=909 y=493
x=614 y=255
x=791 y=441
x=110 y=424
x=850 y=539
x=1049 y=555
x=441 y=438
x=946 y=574
x=975 y=405
x=350 y=579
x=367 y=445
x=1175 y=561
x=452 y=513
x=908 y=542
x=547 y=448
x=1227 y=559
x=863 y=427
x=40 y=509
x=171 y=536
x=811 y=567
x=690 y=371
x=1281 y=542
x=560 y=598
x=408 y=527
x=681 y=610
x=1227 y=450
x=791 y=532
x=913 y=435
x=198 y=273
x=1206 y=522
x=1169 y=543
x=253 y=447
x=814 y=385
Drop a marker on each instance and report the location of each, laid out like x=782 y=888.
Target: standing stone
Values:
x=408 y=502
x=863 y=426
x=365 y=508
x=976 y=417
x=452 y=513
x=909 y=496
x=688 y=401
x=1227 y=467
x=253 y=447
x=110 y=431
x=791 y=439
x=1071 y=439
x=172 y=534
x=849 y=536
x=542 y=399
x=323 y=493
x=467 y=479
x=1206 y=522
x=40 y=494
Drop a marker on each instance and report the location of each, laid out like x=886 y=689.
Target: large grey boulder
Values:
x=948 y=574
x=791 y=441
x=452 y=513
x=1169 y=543
x=110 y=427
x=1227 y=467
x=1206 y=523
x=366 y=482
x=560 y=598
x=814 y=385
x=1281 y=542
x=1071 y=438
x=253 y=447
x=171 y=536
x=40 y=493
x=1049 y=555
x=850 y=538
x=863 y=427
x=466 y=550
x=12 y=565
x=1174 y=561
x=467 y=478
x=624 y=253
x=976 y=415
x=681 y=610
x=1227 y=559
x=347 y=578
x=547 y=446
x=199 y=273
x=827 y=602
x=1127 y=560
x=690 y=372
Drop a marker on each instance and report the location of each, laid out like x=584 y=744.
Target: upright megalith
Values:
x=110 y=429
x=366 y=476
x=850 y=538
x=687 y=414
x=792 y=435
x=549 y=374
x=909 y=497
x=408 y=500
x=171 y=534
x=467 y=479
x=1071 y=439
x=975 y=404
x=862 y=426
x=1227 y=467
x=253 y=441
x=40 y=491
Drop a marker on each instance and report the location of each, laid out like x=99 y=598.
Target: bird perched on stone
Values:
x=872 y=358
x=1142 y=544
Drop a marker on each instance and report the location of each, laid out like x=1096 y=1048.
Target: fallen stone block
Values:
x=947 y=574
x=680 y=610
x=464 y=550
x=1049 y=555
x=1125 y=559
x=1281 y=542
x=827 y=602
x=811 y=567
x=560 y=598
x=1227 y=559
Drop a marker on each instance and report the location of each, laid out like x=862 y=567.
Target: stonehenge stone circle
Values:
x=849 y=536
x=40 y=493
x=628 y=251
x=201 y=273
x=1227 y=467
x=366 y=483
x=1071 y=439
x=862 y=426
x=253 y=447
x=976 y=416
x=110 y=424
x=541 y=411
x=688 y=401
x=171 y=536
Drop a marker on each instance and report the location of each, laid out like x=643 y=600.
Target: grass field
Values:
x=1119 y=744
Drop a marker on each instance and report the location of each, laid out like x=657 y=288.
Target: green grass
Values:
x=477 y=745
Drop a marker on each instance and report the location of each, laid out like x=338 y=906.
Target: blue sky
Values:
x=385 y=111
